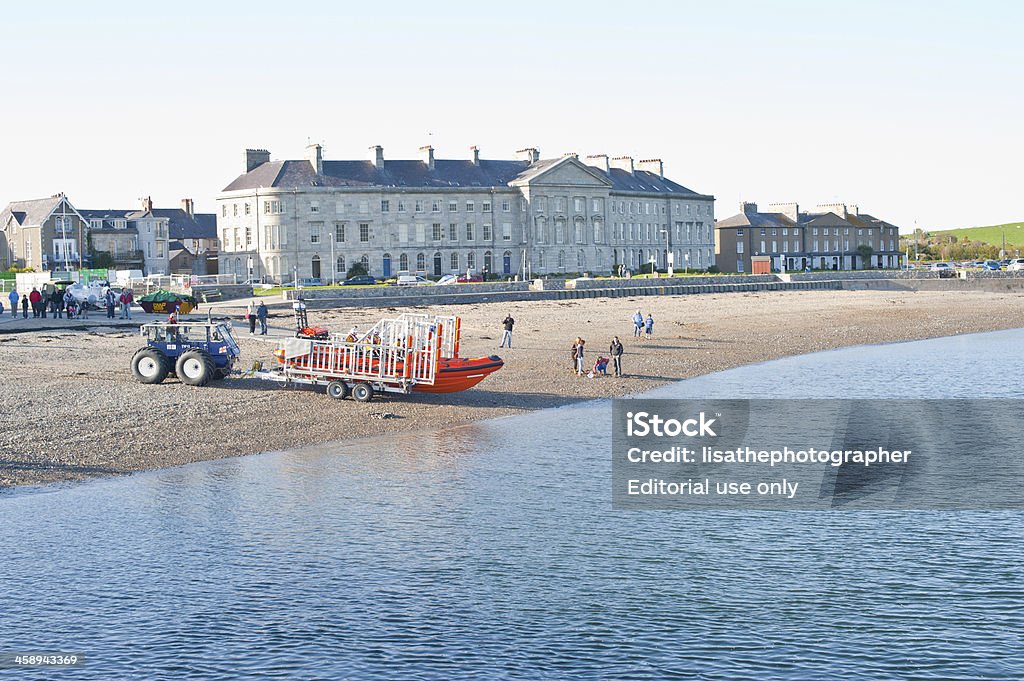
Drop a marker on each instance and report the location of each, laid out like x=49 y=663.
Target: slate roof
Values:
x=446 y=173
x=180 y=225
x=829 y=219
x=30 y=213
x=757 y=220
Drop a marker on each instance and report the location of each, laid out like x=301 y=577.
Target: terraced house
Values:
x=44 y=234
x=835 y=236
x=316 y=218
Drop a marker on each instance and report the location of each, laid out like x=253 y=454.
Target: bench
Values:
x=211 y=295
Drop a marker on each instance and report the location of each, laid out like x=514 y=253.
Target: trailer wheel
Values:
x=362 y=392
x=149 y=366
x=337 y=389
x=195 y=367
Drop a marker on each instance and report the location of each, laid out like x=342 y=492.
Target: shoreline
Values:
x=75 y=412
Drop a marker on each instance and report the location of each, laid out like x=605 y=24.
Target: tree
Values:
x=865 y=252
x=357 y=269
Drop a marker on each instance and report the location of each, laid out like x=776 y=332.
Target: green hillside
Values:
x=993 y=234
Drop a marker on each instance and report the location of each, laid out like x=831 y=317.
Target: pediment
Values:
x=568 y=171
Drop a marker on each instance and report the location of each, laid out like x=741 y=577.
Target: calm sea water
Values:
x=491 y=551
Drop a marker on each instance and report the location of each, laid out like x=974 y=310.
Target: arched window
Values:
x=403 y=262
x=340 y=265
x=471 y=260
x=455 y=262
x=238 y=266
x=561 y=260
x=598 y=231
x=421 y=262
x=365 y=260
x=578 y=230
x=541 y=228
x=559 y=231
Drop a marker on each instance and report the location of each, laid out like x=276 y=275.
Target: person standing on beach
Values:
x=111 y=301
x=261 y=314
x=507 y=335
x=579 y=355
x=24 y=307
x=34 y=298
x=638 y=324
x=649 y=325
x=13 y=297
x=57 y=303
x=126 y=302
x=250 y=316
x=615 y=350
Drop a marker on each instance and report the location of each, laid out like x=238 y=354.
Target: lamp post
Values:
x=668 y=252
x=334 y=262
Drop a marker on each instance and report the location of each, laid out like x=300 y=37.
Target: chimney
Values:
x=428 y=156
x=147 y=204
x=572 y=154
x=623 y=163
x=748 y=207
x=790 y=210
x=254 y=158
x=837 y=208
x=378 y=156
x=600 y=161
x=854 y=209
x=653 y=165
x=529 y=154
x=315 y=156
x=476 y=154
x=186 y=205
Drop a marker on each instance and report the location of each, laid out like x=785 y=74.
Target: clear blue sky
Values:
x=910 y=109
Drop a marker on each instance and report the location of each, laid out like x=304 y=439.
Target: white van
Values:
x=412 y=280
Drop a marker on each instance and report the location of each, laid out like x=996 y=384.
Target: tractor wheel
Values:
x=149 y=366
x=337 y=390
x=362 y=392
x=195 y=367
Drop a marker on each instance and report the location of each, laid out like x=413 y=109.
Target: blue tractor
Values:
x=196 y=353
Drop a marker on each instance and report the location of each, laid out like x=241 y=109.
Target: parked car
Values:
x=942 y=267
x=360 y=280
x=310 y=281
x=412 y=280
x=990 y=265
x=446 y=279
x=1016 y=265
x=466 y=278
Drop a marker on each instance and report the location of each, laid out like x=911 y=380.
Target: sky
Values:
x=911 y=110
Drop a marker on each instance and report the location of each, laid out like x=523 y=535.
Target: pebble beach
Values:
x=72 y=410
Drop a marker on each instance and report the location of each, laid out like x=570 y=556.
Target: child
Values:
x=649 y=324
x=601 y=366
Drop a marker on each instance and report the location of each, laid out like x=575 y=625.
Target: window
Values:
x=506 y=231
x=453 y=206
x=339 y=232
x=816 y=249
x=560 y=204
x=469 y=231
x=364 y=232
x=403 y=262
x=421 y=233
x=248 y=237
x=435 y=206
x=506 y=206
x=419 y=208
x=596 y=207
x=314 y=206
x=421 y=261
x=436 y=233
x=578 y=230
x=598 y=232
x=739 y=232
x=739 y=246
x=314 y=233
x=775 y=247
x=453 y=232
x=539 y=204
x=365 y=260
x=224 y=210
x=385 y=206
x=455 y=262
x=234 y=210
x=577 y=205
x=486 y=206
x=340 y=264
x=471 y=260
x=248 y=208
x=763 y=249
x=487 y=233
x=470 y=207
x=364 y=206
x=401 y=206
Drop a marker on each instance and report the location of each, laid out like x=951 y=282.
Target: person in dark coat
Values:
x=261 y=315
x=615 y=350
x=24 y=307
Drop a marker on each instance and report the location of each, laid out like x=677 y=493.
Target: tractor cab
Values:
x=197 y=352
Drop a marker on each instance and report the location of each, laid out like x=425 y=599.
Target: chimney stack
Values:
x=147 y=204
x=476 y=154
x=315 y=156
x=623 y=163
x=428 y=156
x=254 y=158
x=790 y=210
x=529 y=154
x=378 y=156
x=653 y=165
x=748 y=207
x=186 y=205
x=599 y=161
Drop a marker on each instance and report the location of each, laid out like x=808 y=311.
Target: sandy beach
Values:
x=72 y=409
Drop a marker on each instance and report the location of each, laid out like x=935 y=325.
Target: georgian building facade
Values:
x=828 y=238
x=281 y=220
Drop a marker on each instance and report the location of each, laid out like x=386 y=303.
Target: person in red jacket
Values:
x=34 y=299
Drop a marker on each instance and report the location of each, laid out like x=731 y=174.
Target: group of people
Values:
x=642 y=325
x=256 y=313
x=57 y=303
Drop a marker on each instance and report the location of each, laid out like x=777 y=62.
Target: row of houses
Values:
x=52 y=234
x=314 y=217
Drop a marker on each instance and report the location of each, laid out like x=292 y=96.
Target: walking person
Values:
x=126 y=298
x=507 y=335
x=250 y=316
x=649 y=326
x=579 y=355
x=638 y=324
x=615 y=350
x=261 y=315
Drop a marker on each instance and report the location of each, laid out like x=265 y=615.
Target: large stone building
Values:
x=44 y=234
x=316 y=218
x=829 y=238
